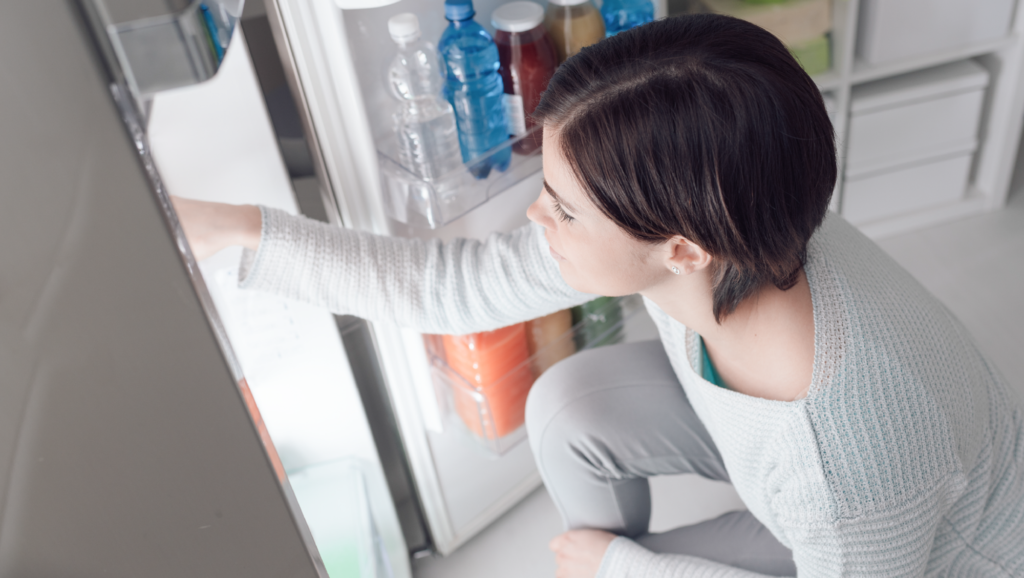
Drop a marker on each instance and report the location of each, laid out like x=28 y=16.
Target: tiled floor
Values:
x=975 y=266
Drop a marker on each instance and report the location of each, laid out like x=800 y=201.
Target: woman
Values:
x=691 y=161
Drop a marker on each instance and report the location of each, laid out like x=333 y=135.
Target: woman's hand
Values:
x=210 y=227
x=578 y=553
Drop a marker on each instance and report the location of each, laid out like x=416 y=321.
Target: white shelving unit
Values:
x=1000 y=125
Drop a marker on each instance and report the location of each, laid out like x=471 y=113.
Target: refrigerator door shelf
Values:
x=491 y=414
x=433 y=203
x=162 y=45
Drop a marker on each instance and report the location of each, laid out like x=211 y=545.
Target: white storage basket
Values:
x=897 y=29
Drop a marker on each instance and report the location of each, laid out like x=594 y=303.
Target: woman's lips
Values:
x=552 y=249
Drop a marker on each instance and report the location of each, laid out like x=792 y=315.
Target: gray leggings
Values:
x=603 y=421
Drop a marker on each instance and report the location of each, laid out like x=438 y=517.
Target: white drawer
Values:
x=906 y=189
x=895 y=29
x=896 y=136
x=914 y=117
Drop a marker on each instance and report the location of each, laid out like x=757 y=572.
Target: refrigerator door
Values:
x=126 y=446
x=214 y=142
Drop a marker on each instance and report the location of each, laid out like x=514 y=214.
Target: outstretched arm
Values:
x=462 y=286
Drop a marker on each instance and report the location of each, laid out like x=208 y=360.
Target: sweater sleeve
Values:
x=462 y=286
x=894 y=540
x=627 y=559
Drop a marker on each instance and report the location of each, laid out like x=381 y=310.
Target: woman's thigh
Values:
x=601 y=422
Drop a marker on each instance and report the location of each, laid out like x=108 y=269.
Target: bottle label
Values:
x=514 y=113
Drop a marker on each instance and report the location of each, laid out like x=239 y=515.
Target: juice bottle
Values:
x=528 y=60
x=496 y=366
x=573 y=25
x=549 y=340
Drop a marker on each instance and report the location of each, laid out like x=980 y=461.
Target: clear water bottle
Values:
x=474 y=88
x=428 y=141
x=622 y=15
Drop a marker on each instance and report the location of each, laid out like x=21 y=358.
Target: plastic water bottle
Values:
x=622 y=15
x=474 y=87
x=428 y=141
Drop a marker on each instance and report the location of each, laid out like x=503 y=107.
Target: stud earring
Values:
x=675 y=269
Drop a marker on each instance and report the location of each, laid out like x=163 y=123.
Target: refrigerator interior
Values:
x=464 y=484
x=213 y=142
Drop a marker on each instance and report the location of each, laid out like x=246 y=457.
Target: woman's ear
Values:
x=685 y=257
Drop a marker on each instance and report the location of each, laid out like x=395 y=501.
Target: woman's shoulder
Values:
x=899 y=383
x=873 y=320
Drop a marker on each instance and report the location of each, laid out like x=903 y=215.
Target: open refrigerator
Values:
x=462 y=448
x=467 y=471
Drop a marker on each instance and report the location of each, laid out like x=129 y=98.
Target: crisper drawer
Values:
x=914 y=117
x=483 y=379
x=895 y=29
x=906 y=189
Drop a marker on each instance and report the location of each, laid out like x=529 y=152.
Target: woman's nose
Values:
x=537 y=212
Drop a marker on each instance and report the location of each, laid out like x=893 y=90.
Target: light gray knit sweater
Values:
x=906 y=458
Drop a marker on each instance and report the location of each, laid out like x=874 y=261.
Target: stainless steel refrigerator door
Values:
x=214 y=142
x=125 y=445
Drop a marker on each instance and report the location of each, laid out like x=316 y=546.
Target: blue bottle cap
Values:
x=458 y=9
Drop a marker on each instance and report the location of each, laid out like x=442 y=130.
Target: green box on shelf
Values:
x=814 y=56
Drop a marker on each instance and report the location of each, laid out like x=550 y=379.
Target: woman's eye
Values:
x=562 y=215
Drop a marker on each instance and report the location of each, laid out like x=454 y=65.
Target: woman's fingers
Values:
x=578 y=553
x=210 y=227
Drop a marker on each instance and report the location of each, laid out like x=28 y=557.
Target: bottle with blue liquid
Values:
x=622 y=15
x=474 y=88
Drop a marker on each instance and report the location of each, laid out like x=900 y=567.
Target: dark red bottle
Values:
x=528 y=60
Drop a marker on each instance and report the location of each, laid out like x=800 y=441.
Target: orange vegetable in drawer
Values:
x=495 y=365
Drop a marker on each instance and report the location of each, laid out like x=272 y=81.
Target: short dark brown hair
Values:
x=703 y=126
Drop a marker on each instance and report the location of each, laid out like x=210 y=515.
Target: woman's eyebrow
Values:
x=558 y=199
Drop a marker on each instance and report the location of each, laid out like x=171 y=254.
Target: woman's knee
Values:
x=574 y=392
x=554 y=390
x=591 y=371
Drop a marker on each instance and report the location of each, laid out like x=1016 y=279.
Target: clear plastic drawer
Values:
x=486 y=377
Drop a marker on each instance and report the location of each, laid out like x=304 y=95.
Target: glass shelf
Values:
x=491 y=411
x=165 y=44
x=433 y=203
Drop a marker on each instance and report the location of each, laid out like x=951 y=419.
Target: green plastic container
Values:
x=334 y=502
x=598 y=322
x=814 y=56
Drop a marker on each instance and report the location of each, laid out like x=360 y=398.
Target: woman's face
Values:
x=594 y=254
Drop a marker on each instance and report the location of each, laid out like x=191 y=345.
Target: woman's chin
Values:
x=572 y=279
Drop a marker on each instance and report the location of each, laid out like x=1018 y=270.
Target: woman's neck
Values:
x=765 y=348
